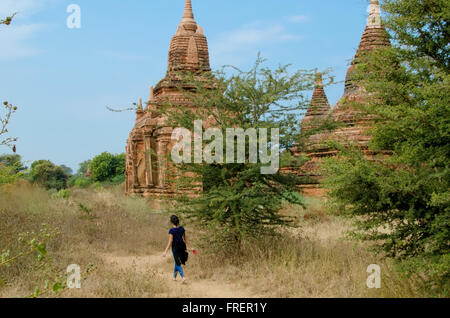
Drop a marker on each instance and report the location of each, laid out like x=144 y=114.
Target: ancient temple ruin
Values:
x=353 y=126
x=149 y=171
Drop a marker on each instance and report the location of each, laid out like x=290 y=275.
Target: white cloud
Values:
x=24 y=7
x=14 y=41
x=15 y=38
x=230 y=46
x=298 y=19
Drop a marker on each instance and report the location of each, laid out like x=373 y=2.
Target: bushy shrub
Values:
x=61 y=194
x=8 y=175
x=105 y=167
x=14 y=161
x=79 y=182
x=48 y=175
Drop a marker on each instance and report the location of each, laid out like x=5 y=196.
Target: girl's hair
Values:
x=175 y=220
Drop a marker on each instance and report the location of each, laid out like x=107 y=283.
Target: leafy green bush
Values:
x=118 y=179
x=48 y=175
x=14 y=161
x=105 y=167
x=8 y=175
x=62 y=194
x=79 y=182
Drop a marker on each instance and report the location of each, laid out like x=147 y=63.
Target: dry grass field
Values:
x=124 y=239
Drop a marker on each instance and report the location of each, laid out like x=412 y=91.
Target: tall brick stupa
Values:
x=353 y=126
x=148 y=170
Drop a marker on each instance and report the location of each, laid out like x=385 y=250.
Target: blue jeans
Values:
x=178 y=269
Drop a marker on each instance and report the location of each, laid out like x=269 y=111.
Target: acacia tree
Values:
x=402 y=203
x=238 y=202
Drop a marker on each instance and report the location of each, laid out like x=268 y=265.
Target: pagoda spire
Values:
x=374 y=20
x=319 y=101
x=188 y=49
x=374 y=37
x=318 y=108
x=188 y=13
x=187 y=20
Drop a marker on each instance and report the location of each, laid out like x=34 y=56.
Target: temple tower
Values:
x=149 y=171
x=319 y=107
x=353 y=125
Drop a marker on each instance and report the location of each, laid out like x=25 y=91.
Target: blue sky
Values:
x=62 y=79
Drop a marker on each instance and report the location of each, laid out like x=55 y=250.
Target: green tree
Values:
x=106 y=167
x=49 y=175
x=238 y=203
x=67 y=170
x=402 y=202
x=14 y=161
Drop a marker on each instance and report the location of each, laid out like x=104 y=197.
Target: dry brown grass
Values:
x=113 y=223
x=309 y=261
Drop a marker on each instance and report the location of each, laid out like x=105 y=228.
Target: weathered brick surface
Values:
x=149 y=171
x=354 y=125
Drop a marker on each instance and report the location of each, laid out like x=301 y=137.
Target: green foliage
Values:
x=79 y=182
x=48 y=175
x=83 y=168
x=402 y=202
x=67 y=170
x=118 y=179
x=238 y=203
x=422 y=26
x=62 y=194
x=14 y=161
x=87 y=213
x=106 y=167
x=31 y=243
x=8 y=175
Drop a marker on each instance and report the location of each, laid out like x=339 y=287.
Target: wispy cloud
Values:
x=24 y=7
x=229 y=47
x=122 y=56
x=298 y=18
x=15 y=39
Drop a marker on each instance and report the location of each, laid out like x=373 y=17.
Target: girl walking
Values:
x=178 y=242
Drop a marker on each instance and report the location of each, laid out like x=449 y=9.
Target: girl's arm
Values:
x=168 y=245
x=188 y=244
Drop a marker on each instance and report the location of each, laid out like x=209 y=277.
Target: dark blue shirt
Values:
x=177 y=234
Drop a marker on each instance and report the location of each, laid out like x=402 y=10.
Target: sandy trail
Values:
x=164 y=268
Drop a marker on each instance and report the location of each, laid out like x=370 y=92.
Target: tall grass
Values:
x=311 y=260
x=89 y=223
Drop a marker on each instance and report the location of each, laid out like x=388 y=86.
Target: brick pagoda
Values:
x=148 y=169
x=353 y=126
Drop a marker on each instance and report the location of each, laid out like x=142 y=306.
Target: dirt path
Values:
x=164 y=268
